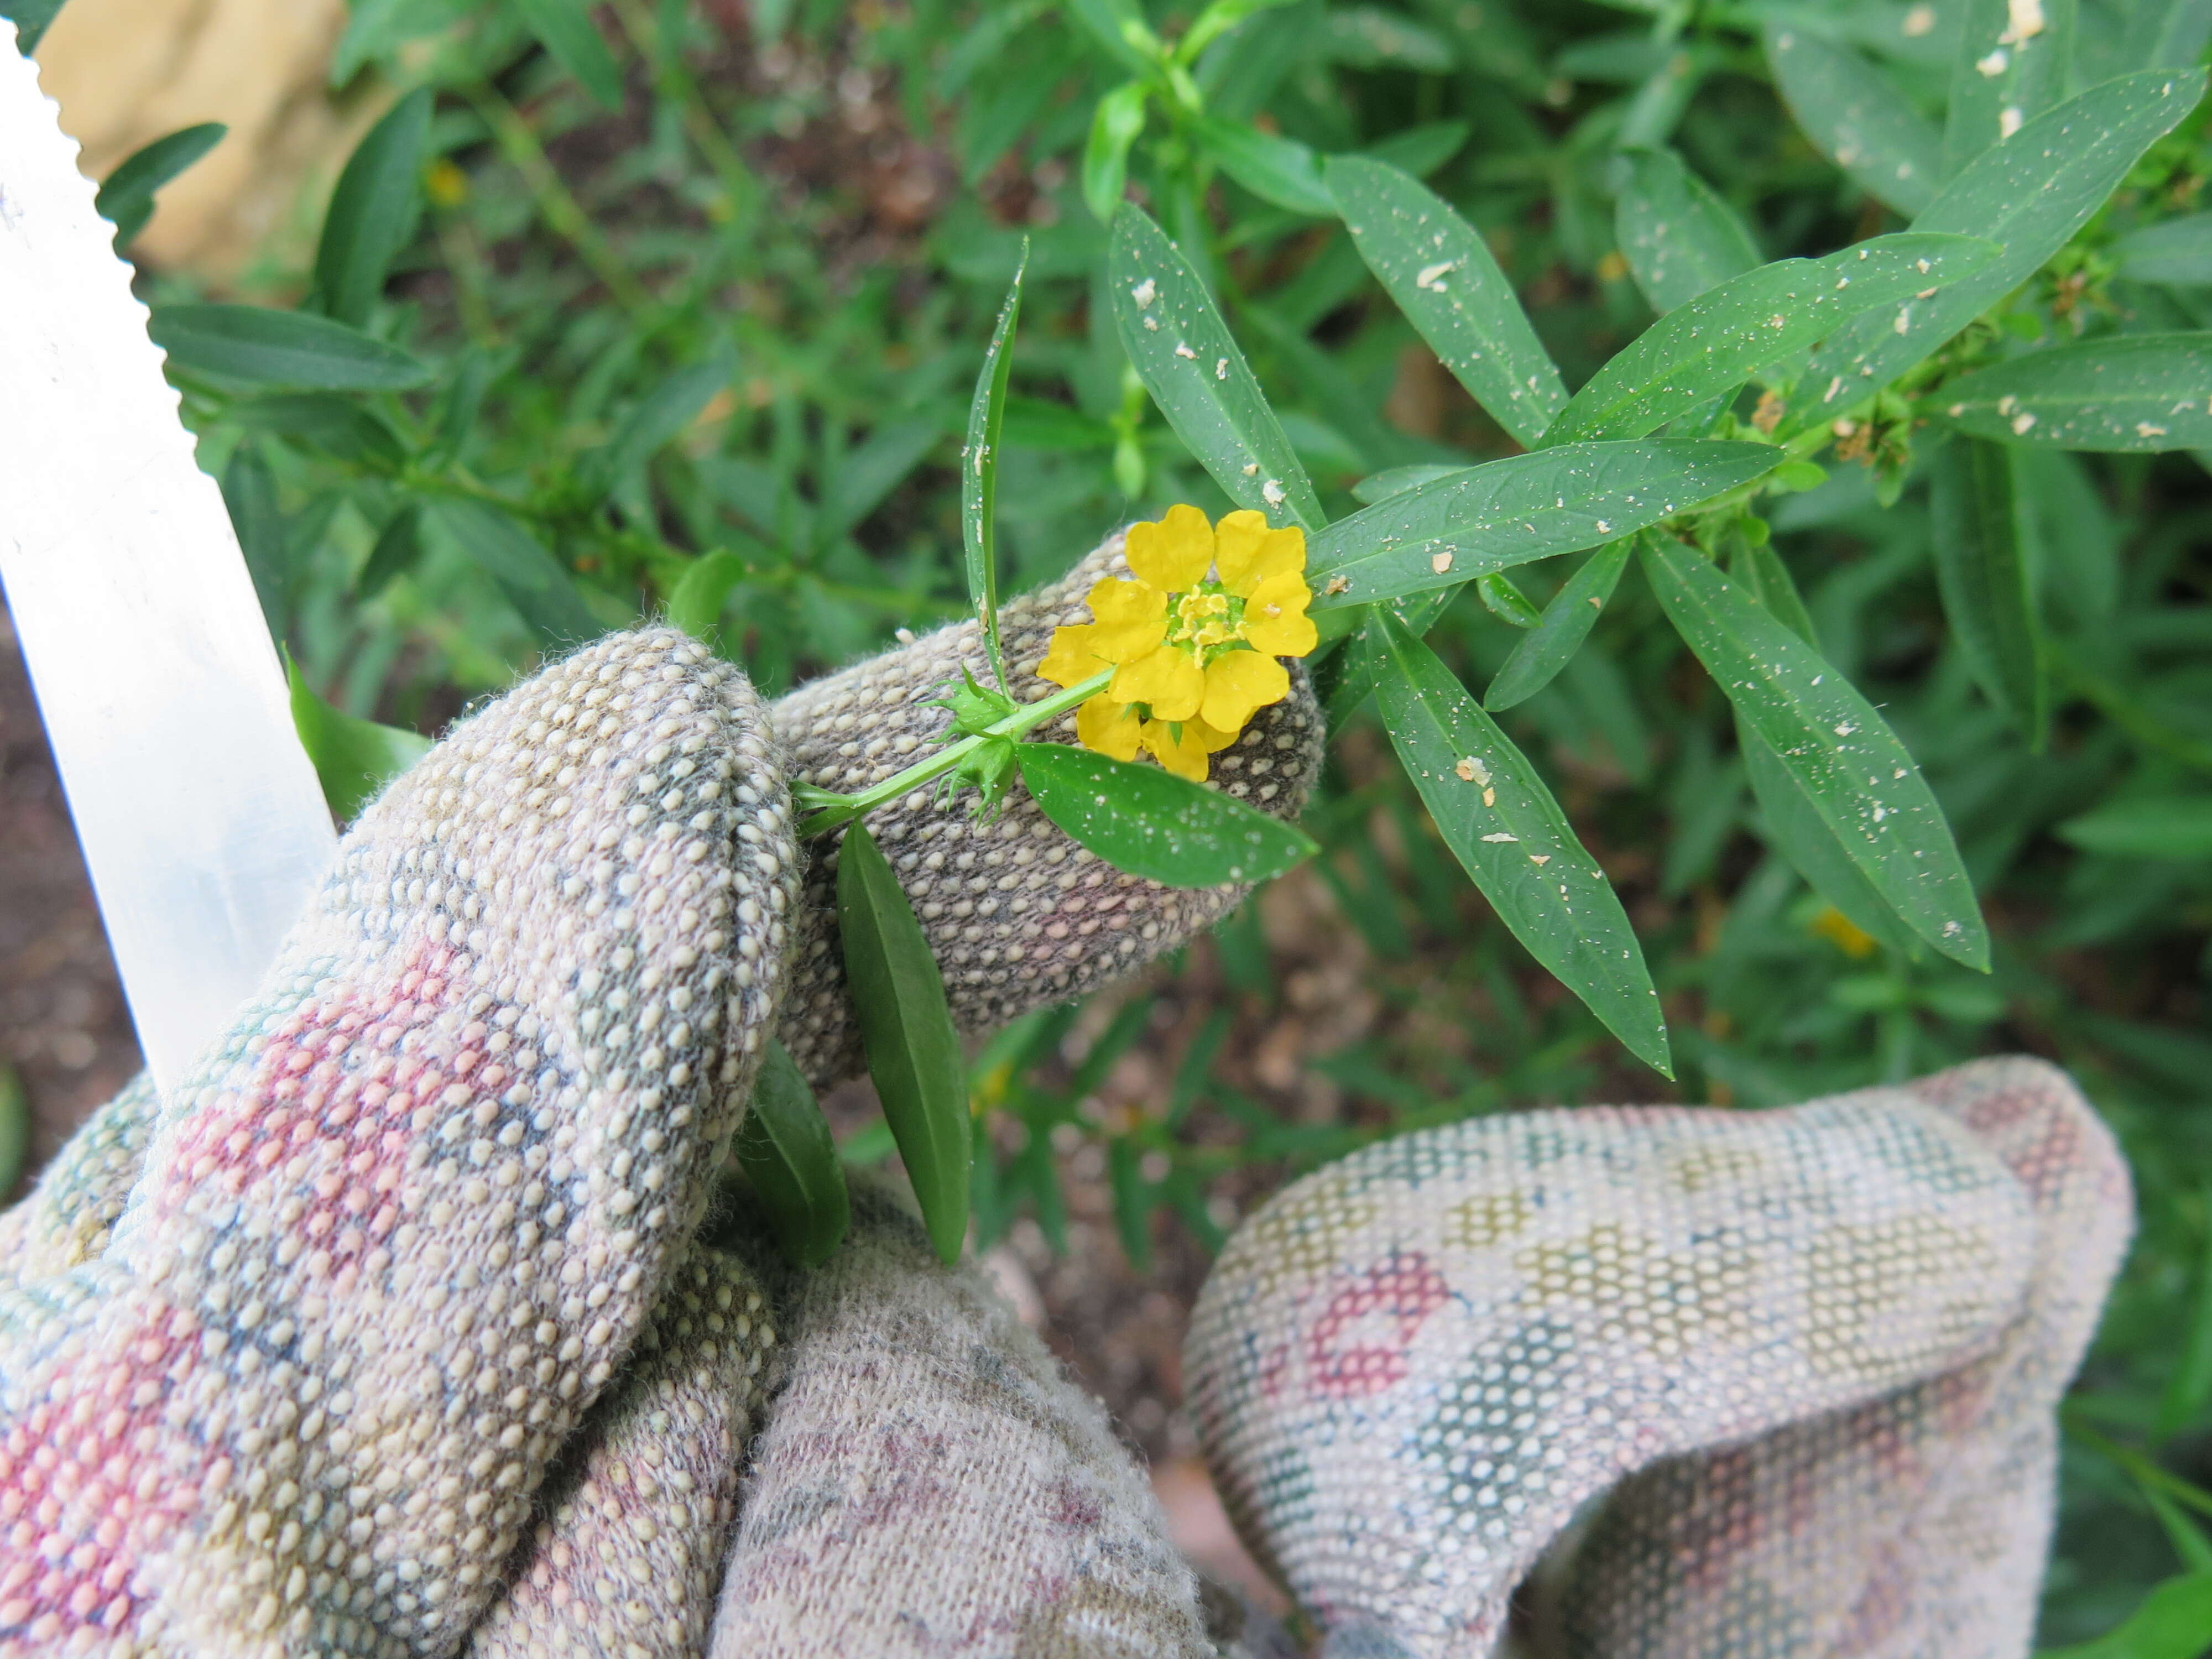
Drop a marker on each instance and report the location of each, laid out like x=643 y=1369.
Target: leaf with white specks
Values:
x=1982 y=558
x=1183 y=352
x=2177 y=250
x=1156 y=825
x=1492 y=810
x=1857 y=774
x=1717 y=341
x=1856 y=116
x=2142 y=391
x=979 y=470
x=1444 y=278
x=1678 y=237
x=1560 y=631
x=2003 y=74
x=1487 y=518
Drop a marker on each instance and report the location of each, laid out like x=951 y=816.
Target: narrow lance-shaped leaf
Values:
x=1153 y=824
x=2029 y=195
x=1114 y=126
x=1559 y=633
x=15 y=1128
x=2146 y=827
x=2169 y=1625
x=1759 y=566
x=785 y=1148
x=2010 y=66
x=31 y=18
x=2177 y=250
x=564 y=29
x=1678 y=237
x=2141 y=392
x=261 y=347
x=374 y=209
x=398 y=547
x=126 y=195
x=663 y=413
x=979 y=470
x=533 y=580
x=1183 y=352
x=337 y=425
x=1274 y=168
x=1859 y=777
x=694 y=603
x=1982 y=569
x=1445 y=279
x=906 y=1031
x=1856 y=116
x=1718 y=340
x=2166 y=34
x=355 y=758
x=1506 y=512
x=1494 y=812
x=1793 y=823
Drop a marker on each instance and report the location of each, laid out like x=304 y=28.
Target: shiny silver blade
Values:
x=199 y=812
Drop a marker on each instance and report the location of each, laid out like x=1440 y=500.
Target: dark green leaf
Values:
x=2140 y=826
x=1856 y=116
x=664 y=413
x=1275 y=169
x=979 y=470
x=1718 y=340
x=2029 y=195
x=2178 y=251
x=398 y=546
x=249 y=491
x=1114 y=127
x=1368 y=37
x=1156 y=825
x=374 y=211
x=2189 y=1385
x=872 y=471
x=1445 y=279
x=1680 y=238
x=2125 y=391
x=15 y=1129
x=1793 y=823
x=126 y=195
x=1981 y=538
x=378 y=28
x=2173 y=1622
x=336 y=425
x=1038 y=423
x=1183 y=352
x=1120 y=27
x=1505 y=600
x=1494 y=812
x=694 y=603
x=2000 y=76
x=2166 y=34
x=31 y=18
x=1559 y=633
x=1767 y=579
x=1399 y=479
x=533 y=580
x=1418 y=150
x=785 y=1147
x=906 y=1031
x=1860 y=779
x=1133 y=1202
x=1527 y=506
x=261 y=347
x=564 y=29
x=353 y=757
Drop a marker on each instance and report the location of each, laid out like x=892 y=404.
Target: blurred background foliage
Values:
x=701 y=287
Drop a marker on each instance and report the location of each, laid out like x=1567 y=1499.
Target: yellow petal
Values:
x=1275 y=619
x=1073 y=658
x=1120 y=642
x=1238 y=682
x=1168 y=680
x=1174 y=554
x=1114 y=600
x=1107 y=727
x=1185 y=756
x=1237 y=541
x=1264 y=557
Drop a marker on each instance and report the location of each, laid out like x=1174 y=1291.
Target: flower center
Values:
x=1206 y=621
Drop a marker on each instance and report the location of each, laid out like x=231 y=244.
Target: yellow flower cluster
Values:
x=1194 y=642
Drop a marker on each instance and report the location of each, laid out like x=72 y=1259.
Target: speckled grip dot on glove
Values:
x=1822 y=1347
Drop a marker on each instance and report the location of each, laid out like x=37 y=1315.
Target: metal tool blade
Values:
x=198 y=809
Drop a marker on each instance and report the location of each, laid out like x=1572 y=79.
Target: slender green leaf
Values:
x=374 y=211
x=1120 y=27
x=2173 y=1622
x=565 y=29
x=1718 y=340
x=2177 y=251
x=1793 y=823
x=1418 y=150
x=15 y=1128
x=1527 y=506
x=1982 y=568
x=1502 y=597
x=872 y=471
x=1444 y=276
x=2146 y=827
x=2189 y=1386
x=1860 y=779
x=2166 y=34
x=1559 y=633
x=1039 y=423
x=249 y=491
x=31 y=18
x=2125 y=392
x=1759 y=569
x=353 y=757
x=906 y=1031
x=1183 y=352
x=2029 y=195
x=1399 y=479
x=126 y=195
x=664 y=413
x=261 y=347
x=1216 y=21
x=533 y=580
x=1493 y=812
x=2009 y=67
x=1368 y=37
x=339 y=426
x=1856 y=116
x=694 y=603
x=785 y=1149
x=1114 y=127
x=398 y=547
x=1678 y=237
x=1156 y=825
x=979 y=470
x=1275 y=169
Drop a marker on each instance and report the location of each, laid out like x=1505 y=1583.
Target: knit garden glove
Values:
x=303 y=1361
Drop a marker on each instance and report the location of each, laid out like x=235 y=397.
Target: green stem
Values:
x=560 y=210
x=825 y=809
x=740 y=190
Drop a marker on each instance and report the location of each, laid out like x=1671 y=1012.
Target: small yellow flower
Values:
x=444 y=183
x=1194 y=642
